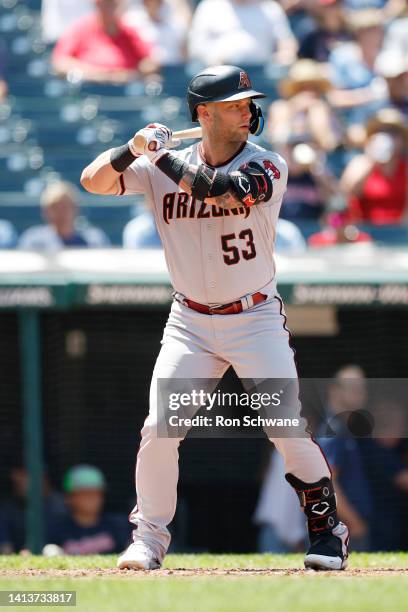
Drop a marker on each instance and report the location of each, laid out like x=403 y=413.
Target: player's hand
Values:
x=152 y=141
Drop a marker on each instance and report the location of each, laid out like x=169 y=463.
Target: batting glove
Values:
x=156 y=140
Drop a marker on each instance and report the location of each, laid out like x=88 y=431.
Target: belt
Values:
x=226 y=309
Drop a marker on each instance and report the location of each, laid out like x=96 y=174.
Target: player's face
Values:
x=230 y=121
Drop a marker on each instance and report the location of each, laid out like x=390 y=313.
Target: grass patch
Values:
x=292 y=592
x=191 y=561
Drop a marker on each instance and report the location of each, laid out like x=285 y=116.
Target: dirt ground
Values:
x=181 y=573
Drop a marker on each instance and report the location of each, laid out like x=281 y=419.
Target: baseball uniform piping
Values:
x=294 y=357
x=122 y=185
x=285 y=327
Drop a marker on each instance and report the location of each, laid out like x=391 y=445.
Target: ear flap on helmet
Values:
x=257 y=121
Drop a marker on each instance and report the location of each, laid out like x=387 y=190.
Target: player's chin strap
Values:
x=318 y=501
x=256 y=125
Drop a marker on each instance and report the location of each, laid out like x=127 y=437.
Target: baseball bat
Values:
x=196 y=132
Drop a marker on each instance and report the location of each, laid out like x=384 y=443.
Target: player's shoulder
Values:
x=270 y=160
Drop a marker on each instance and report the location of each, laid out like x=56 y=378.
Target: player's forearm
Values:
x=245 y=187
x=226 y=200
x=100 y=177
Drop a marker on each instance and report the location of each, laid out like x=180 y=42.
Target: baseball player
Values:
x=216 y=205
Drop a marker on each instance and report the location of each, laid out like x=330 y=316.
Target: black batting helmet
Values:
x=219 y=84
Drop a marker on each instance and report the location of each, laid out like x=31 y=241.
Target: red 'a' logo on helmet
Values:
x=244 y=82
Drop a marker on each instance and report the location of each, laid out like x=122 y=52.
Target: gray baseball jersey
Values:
x=214 y=255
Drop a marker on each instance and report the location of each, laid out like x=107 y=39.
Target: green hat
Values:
x=82 y=477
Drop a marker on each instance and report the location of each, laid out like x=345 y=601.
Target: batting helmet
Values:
x=222 y=84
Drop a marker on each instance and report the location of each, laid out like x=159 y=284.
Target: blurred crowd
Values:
x=339 y=116
x=75 y=521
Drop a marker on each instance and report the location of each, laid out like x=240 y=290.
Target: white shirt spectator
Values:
x=45 y=238
x=278 y=504
x=396 y=37
x=240 y=32
x=141 y=233
x=58 y=15
x=8 y=236
x=289 y=238
x=166 y=33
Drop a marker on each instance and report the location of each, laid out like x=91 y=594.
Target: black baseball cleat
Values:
x=329 y=551
x=329 y=537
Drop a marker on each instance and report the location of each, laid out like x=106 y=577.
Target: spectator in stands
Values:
x=8 y=235
x=391 y=8
x=387 y=473
x=59 y=203
x=289 y=239
x=87 y=529
x=299 y=13
x=329 y=30
x=376 y=182
x=310 y=185
x=163 y=25
x=241 y=32
x=304 y=112
x=141 y=232
x=358 y=89
x=3 y=89
x=393 y=67
x=6 y=547
x=347 y=393
x=13 y=510
x=101 y=47
x=337 y=229
x=282 y=526
x=396 y=38
x=58 y=15
x=3 y=83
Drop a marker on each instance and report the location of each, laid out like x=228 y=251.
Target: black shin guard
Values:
x=318 y=501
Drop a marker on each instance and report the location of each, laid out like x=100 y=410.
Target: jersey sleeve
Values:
x=277 y=170
x=136 y=178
